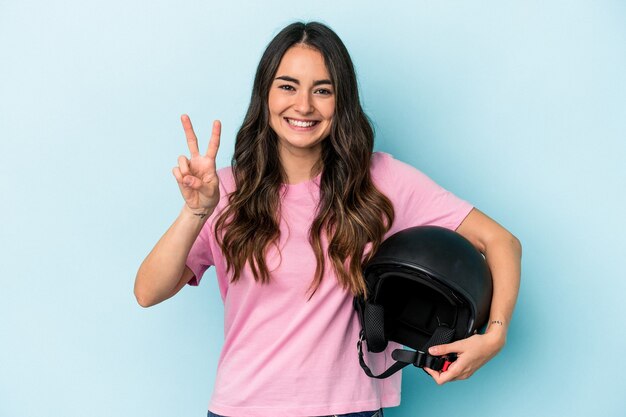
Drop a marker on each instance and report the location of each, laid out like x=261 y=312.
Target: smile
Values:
x=301 y=123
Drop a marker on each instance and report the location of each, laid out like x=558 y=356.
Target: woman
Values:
x=289 y=226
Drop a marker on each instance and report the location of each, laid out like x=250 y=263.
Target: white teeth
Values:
x=300 y=123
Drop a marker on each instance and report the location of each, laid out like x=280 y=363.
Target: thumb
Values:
x=454 y=347
x=190 y=181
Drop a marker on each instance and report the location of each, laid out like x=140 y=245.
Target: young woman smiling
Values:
x=288 y=228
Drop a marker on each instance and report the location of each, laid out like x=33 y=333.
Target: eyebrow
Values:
x=295 y=81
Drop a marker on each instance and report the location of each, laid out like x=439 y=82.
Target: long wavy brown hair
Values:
x=351 y=212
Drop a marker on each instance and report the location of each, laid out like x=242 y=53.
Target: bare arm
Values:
x=503 y=253
x=163 y=273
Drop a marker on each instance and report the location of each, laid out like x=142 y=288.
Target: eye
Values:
x=286 y=87
x=323 y=91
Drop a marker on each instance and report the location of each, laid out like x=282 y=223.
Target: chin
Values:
x=299 y=143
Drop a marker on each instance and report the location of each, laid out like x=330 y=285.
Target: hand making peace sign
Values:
x=197 y=177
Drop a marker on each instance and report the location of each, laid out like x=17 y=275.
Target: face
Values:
x=301 y=102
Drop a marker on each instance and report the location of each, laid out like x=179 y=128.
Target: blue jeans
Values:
x=378 y=413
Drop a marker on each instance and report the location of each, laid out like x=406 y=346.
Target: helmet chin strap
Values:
x=420 y=358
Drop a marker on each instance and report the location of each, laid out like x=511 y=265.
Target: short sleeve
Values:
x=417 y=199
x=200 y=256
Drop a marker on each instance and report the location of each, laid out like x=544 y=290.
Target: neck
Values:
x=300 y=166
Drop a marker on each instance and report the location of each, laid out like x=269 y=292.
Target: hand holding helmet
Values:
x=472 y=353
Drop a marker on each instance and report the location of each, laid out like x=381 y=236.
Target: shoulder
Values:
x=227 y=186
x=417 y=199
x=227 y=179
x=378 y=160
x=384 y=168
x=398 y=179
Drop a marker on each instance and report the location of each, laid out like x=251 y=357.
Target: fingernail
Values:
x=433 y=350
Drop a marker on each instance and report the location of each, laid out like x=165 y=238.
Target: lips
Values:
x=300 y=123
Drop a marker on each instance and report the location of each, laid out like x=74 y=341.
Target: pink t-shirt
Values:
x=284 y=356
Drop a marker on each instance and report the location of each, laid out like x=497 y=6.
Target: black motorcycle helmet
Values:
x=426 y=285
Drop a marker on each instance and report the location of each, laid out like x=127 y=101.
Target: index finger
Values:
x=214 y=143
x=453 y=347
x=192 y=140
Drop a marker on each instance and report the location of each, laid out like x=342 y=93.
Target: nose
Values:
x=303 y=103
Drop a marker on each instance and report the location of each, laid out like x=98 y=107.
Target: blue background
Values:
x=516 y=106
